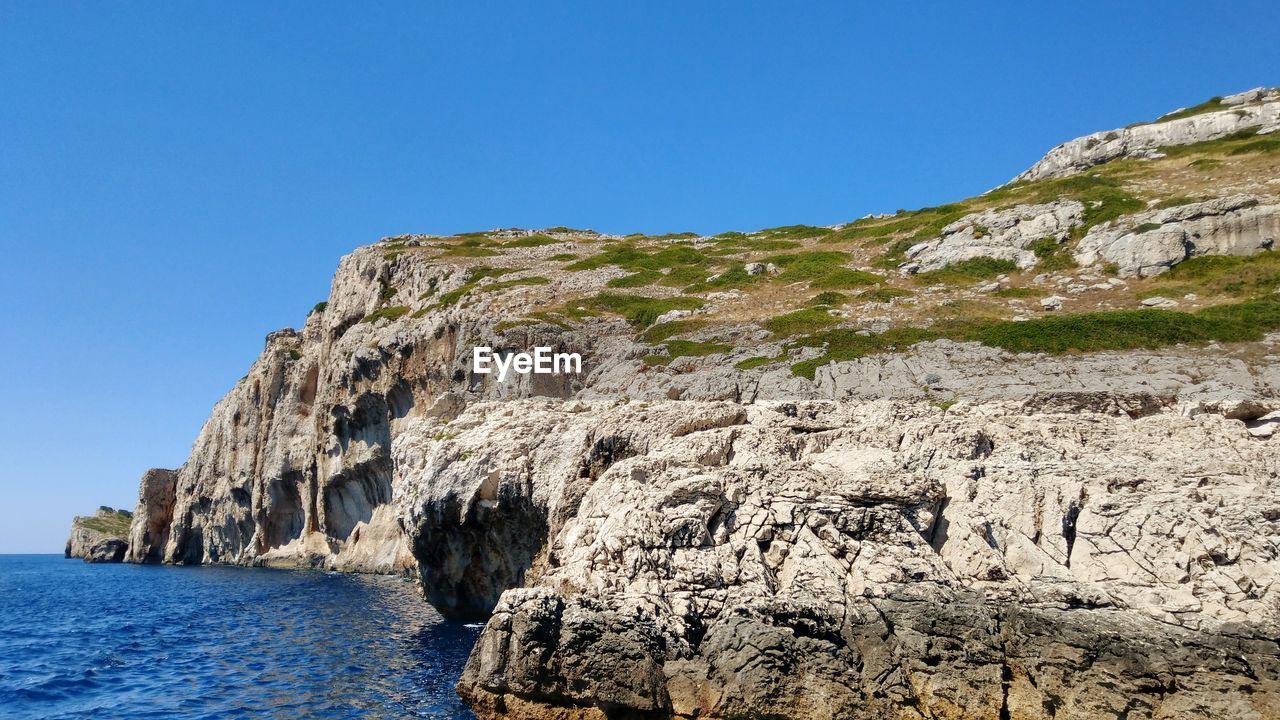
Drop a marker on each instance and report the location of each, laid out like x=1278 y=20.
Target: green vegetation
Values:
x=1084 y=332
x=644 y=278
x=387 y=293
x=1146 y=227
x=658 y=333
x=917 y=225
x=801 y=321
x=845 y=344
x=432 y=286
x=1213 y=104
x=294 y=354
x=1019 y=292
x=967 y=271
x=536 y=240
x=733 y=243
x=1241 y=143
x=109 y=522
x=630 y=257
x=394 y=312
x=735 y=277
x=504 y=284
x=808 y=265
x=1240 y=276
x=829 y=299
x=687 y=348
x=795 y=232
x=760 y=361
x=1052 y=255
x=823 y=269
x=560 y=257
x=640 y=311
x=843 y=278
x=1205 y=163
x=1103 y=196
x=319 y=307
x=468 y=251
x=883 y=294
x=474 y=277
x=532 y=319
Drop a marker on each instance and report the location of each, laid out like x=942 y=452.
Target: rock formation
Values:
x=730 y=514
x=99 y=537
x=1149 y=243
x=1000 y=234
x=1255 y=110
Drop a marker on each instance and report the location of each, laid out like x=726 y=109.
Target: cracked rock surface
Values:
x=952 y=531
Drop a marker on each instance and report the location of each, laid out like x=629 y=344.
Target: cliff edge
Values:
x=1012 y=457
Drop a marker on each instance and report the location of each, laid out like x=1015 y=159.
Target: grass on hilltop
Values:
x=109 y=522
x=1084 y=332
x=639 y=311
x=967 y=271
x=687 y=348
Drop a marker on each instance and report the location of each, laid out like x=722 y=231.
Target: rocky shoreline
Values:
x=941 y=529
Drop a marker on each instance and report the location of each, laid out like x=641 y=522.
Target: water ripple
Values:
x=112 y=641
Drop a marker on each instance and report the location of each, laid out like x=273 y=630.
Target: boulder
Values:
x=1149 y=243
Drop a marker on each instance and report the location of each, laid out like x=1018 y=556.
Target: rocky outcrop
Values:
x=1088 y=531
x=1004 y=234
x=820 y=560
x=1256 y=110
x=99 y=537
x=946 y=530
x=1150 y=243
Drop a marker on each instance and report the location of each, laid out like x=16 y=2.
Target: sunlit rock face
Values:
x=1256 y=110
x=937 y=530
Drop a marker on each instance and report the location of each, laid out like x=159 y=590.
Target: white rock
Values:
x=1000 y=234
x=1236 y=225
x=1143 y=140
x=1265 y=426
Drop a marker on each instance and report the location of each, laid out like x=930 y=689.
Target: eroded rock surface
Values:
x=949 y=531
x=815 y=559
x=1256 y=110
x=1004 y=234
x=1150 y=243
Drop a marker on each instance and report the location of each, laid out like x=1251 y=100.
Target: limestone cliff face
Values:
x=690 y=528
x=1088 y=532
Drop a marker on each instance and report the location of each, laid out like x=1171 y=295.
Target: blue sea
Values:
x=130 y=641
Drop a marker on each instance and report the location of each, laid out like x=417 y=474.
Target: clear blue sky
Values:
x=179 y=179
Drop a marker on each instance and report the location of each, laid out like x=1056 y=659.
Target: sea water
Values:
x=130 y=641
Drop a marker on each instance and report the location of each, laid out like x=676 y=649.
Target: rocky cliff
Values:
x=940 y=464
x=100 y=537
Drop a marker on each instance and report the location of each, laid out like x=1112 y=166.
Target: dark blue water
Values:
x=129 y=641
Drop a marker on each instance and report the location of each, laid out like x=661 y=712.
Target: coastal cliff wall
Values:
x=861 y=471
x=1084 y=531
